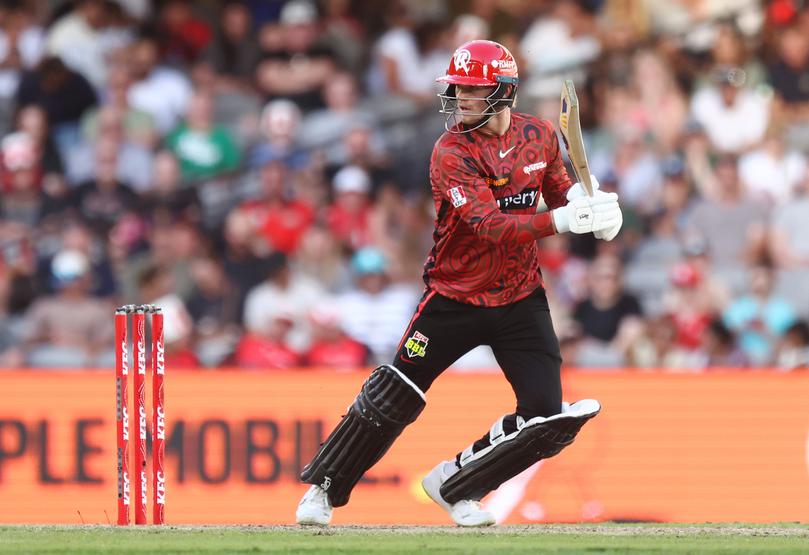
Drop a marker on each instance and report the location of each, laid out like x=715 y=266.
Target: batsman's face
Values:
x=471 y=103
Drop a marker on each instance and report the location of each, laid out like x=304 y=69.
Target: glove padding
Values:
x=586 y=214
x=577 y=191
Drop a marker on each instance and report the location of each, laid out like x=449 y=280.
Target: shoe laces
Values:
x=317 y=494
x=469 y=505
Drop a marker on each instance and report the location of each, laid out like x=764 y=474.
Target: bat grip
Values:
x=586 y=183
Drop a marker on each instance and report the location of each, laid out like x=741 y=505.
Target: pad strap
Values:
x=495 y=458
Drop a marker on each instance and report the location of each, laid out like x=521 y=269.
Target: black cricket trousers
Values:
x=520 y=334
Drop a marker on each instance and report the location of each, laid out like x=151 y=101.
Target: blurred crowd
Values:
x=259 y=169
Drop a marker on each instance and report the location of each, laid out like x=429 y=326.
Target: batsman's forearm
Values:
x=497 y=227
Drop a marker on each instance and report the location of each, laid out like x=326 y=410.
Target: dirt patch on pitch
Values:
x=606 y=529
x=610 y=529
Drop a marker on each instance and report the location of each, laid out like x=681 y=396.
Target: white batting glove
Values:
x=588 y=214
x=577 y=191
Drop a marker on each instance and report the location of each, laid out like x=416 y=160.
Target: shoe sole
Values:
x=444 y=505
x=312 y=523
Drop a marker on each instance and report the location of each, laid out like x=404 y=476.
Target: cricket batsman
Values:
x=483 y=287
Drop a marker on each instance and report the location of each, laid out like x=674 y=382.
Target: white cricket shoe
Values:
x=314 y=508
x=465 y=512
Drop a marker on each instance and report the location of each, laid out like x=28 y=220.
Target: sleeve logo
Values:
x=458 y=196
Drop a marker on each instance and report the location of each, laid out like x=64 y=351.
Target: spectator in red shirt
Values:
x=184 y=36
x=268 y=349
x=691 y=317
x=348 y=215
x=331 y=346
x=277 y=216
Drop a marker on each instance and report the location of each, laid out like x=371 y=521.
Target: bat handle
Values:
x=586 y=182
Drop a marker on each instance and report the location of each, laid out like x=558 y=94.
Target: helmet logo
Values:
x=461 y=59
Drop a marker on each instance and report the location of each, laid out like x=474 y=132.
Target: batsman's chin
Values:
x=468 y=118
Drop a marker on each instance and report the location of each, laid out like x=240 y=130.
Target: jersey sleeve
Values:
x=454 y=176
x=556 y=182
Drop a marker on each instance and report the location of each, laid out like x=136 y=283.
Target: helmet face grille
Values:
x=501 y=98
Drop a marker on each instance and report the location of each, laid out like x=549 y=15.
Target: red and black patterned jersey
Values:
x=486 y=190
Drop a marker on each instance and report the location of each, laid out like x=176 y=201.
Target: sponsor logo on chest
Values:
x=524 y=199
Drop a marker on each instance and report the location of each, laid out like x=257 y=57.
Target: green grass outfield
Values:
x=557 y=538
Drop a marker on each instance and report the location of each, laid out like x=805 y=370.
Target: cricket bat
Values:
x=570 y=125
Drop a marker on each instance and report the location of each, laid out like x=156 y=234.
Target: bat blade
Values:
x=570 y=125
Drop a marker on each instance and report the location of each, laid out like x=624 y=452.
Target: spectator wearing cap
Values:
x=716 y=286
x=686 y=306
x=376 y=312
x=203 y=149
x=69 y=328
x=76 y=237
x=760 y=318
x=348 y=216
x=360 y=146
x=331 y=347
x=269 y=348
x=279 y=126
x=21 y=177
x=302 y=66
x=734 y=118
x=287 y=293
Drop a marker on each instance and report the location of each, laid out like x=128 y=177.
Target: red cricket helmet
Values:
x=479 y=63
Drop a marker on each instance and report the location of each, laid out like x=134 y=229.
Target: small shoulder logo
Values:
x=457 y=196
x=416 y=345
x=461 y=60
x=326 y=483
